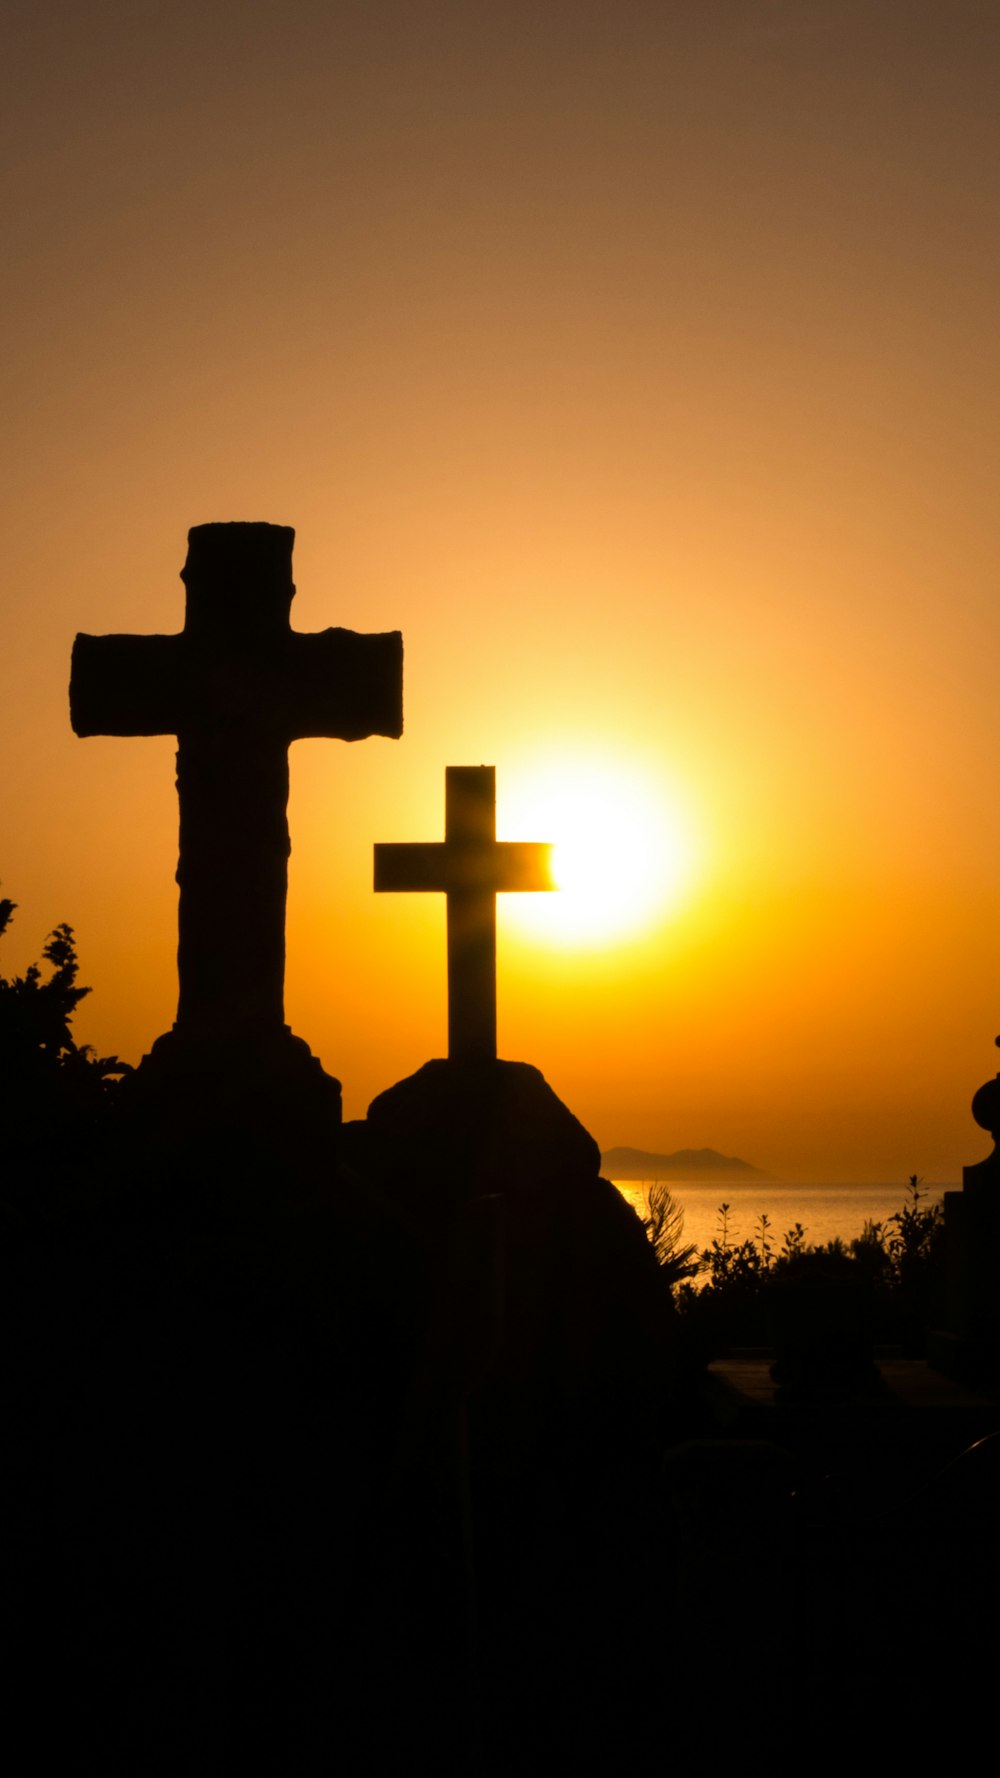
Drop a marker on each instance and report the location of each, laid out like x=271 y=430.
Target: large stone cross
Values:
x=236 y=686
x=471 y=868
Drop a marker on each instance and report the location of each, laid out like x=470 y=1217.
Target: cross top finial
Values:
x=239 y=577
x=260 y=551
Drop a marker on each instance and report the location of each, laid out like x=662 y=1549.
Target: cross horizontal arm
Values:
x=419 y=867
x=443 y=869
x=126 y=685
x=522 y=864
x=343 y=685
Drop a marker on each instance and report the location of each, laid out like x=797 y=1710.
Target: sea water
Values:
x=825 y=1211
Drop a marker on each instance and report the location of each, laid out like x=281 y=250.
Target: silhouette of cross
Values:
x=236 y=686
x=471 y=868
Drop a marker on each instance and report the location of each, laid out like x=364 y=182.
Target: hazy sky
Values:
x=639 y=362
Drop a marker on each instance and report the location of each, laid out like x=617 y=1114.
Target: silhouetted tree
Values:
x=53 y=1089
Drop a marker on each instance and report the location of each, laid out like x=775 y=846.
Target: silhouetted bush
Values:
x=664 y=1226
x=55 y=1092
x=885 y=1285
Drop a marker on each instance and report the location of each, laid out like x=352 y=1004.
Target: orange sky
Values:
x=639 y=363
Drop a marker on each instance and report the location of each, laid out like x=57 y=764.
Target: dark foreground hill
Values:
x=686 y=1163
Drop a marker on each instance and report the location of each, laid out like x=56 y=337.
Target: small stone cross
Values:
x=236 y=686
x=471 y=868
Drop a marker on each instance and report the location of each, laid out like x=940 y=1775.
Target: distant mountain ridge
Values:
x=686 y=1163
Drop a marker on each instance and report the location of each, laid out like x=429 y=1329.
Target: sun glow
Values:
x=622 y=858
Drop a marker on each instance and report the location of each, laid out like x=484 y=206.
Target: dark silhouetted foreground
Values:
x=395 y=1463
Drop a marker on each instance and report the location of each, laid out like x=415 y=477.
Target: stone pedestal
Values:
x=256 y=1099
x=464 y=1129
x=540 y=1274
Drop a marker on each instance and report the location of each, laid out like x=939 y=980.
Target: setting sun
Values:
x=622 y=850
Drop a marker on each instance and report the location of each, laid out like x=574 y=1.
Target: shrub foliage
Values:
x=733 y=1292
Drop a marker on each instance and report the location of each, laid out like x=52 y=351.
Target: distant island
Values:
x=687 y=1163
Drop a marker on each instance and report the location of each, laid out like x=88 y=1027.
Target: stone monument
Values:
x=498 y=1182
x=236 y=686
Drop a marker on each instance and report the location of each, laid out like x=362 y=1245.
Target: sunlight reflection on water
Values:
x=825 y=1211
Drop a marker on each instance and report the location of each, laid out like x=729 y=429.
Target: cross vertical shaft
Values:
x=470 y=830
